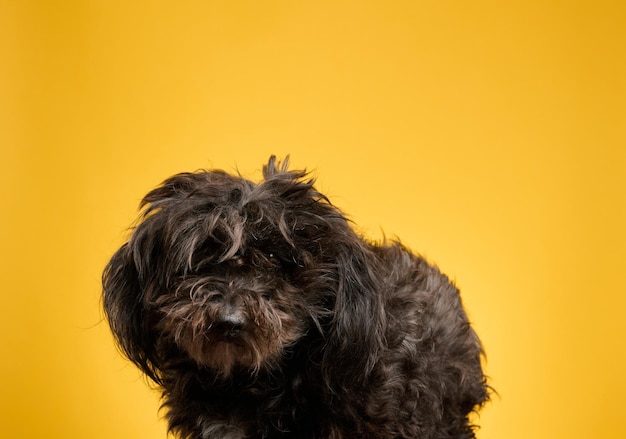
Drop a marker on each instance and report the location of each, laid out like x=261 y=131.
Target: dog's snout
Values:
x=229 y=325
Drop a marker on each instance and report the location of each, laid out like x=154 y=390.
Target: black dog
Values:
x=262 y=314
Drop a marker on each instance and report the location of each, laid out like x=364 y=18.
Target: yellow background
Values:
x=488 y=135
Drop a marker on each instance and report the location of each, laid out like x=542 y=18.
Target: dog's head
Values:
x=231 y=274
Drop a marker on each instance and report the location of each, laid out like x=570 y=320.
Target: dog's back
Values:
x=429 y=377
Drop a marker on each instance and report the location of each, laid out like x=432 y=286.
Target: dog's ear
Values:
x=125 y=311
x=354 y=341
x=316 y=228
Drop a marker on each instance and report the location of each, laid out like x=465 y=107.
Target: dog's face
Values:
x=236 y=301
x=229 y=273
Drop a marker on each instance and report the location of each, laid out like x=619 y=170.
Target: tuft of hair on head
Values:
x=275 y=166
x=278 y=170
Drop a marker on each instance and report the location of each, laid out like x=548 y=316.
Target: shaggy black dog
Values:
x=262 y=314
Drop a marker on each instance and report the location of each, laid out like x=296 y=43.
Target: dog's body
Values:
x=262 y=314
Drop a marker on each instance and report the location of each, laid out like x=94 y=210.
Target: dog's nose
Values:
x=229 y=325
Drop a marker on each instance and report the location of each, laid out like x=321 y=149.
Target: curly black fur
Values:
x=262 y=314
